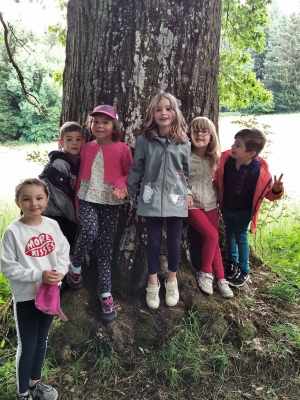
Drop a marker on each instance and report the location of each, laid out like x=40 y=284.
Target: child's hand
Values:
x=51 y=277
x=278 y=185
x=119 y=194
x=190 y=201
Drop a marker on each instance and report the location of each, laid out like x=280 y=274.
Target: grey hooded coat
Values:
x=163 y=167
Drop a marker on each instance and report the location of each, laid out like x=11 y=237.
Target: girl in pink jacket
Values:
x=103 y=173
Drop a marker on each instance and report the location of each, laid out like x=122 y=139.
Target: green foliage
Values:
x=60 y=33
x=285 y=291
x=58 y=77
x=18 y=119
x=182 y=359
x=8 y=213
x=278 y=65
x=243 y=26
x=281 y=64
x=259 y=108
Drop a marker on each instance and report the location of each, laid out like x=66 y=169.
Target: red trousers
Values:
x=207 y=224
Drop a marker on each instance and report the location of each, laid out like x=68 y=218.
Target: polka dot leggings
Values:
x=99 y=223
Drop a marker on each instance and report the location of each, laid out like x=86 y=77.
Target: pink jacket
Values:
x=117 y=161
x=263 y=187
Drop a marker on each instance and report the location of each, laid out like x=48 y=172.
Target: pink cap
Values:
x=105 y=109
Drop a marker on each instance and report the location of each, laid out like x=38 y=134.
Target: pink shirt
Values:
x=117 y=161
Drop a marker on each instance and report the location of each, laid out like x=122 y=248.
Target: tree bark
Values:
x=121 y=53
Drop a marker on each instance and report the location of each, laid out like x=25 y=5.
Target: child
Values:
x=60 y=174
x=161 y=159
x=104 y=168
x=202 y=204
x=32 y=247
x=243 y=180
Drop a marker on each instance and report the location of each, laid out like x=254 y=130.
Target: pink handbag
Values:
x=48 y=301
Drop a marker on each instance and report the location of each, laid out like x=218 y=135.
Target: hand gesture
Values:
x=190 y=201
x=51 y=277
x=119 y=194
x=278 y=185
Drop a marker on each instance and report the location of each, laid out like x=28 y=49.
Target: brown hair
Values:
x=178 y=128
x=30 y=181
x=254 y=139
x=69 y=127
x=116 y=135
x=213 y=149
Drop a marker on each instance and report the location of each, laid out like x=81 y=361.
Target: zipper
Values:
x=163 y=182
x=268 y=183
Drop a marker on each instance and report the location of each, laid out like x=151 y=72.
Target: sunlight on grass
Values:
x=277 y=241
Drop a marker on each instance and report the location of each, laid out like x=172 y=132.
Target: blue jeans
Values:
x=236 y=227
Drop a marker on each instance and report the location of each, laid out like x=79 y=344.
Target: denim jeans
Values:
x=236 y=227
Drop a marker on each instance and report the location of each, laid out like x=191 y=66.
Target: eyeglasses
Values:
x=203 y=132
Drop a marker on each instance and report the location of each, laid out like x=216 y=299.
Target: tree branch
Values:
x=21 y=78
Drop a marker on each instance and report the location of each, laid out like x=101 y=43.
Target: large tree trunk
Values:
x=121 y=53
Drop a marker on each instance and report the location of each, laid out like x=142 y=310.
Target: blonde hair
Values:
x=213 y=149
x=178 y=128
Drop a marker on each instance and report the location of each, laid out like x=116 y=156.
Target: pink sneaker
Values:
x=74 y=280
x=108 y=312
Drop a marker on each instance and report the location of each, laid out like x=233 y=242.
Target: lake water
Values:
x=283 y=158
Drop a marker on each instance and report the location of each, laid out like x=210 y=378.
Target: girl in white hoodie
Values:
x=32 y=247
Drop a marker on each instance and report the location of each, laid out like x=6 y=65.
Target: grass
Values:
x=277 y=241
x=189 y=359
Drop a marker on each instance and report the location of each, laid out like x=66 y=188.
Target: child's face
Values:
x=201 y=137
x=102 y=128
x=239 y=152
x=32 y=201
x=72 y=142
x=163 y=116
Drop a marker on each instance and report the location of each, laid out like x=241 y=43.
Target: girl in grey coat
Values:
x=161 y=161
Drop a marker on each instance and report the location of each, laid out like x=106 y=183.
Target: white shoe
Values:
x=224 y=289
x=172 y=294
x=152 y=296
x=205 y=282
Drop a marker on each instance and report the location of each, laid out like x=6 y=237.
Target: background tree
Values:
x=282 y=63
x=19 y=120
x=243 y=29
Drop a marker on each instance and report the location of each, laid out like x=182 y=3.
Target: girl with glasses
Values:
x=202 y=204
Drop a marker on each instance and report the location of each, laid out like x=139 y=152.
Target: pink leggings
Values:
x=207 y=224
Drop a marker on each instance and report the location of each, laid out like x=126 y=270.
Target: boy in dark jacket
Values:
x=60 y=173
x=243 y=180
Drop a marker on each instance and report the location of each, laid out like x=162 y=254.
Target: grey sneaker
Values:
x=205 y=282
x=44 y=392
x=224 y=289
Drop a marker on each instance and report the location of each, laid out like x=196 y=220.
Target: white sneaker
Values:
x=152 y=296
x=224 y=289
x=205 y=282
x=172 y=294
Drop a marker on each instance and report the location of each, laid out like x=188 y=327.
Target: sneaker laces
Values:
x=107 y=306
x=74 y=278
x=41 y=388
